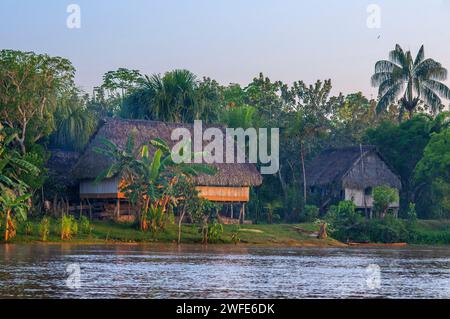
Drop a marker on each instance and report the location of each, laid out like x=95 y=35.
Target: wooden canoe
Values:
x=377 y=244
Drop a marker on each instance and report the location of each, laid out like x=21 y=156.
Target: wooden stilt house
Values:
x=349 y=173
x=230 y=185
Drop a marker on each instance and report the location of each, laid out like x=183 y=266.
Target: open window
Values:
x=368 y=191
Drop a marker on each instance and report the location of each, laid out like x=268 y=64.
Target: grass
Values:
x=108 y=232
x=430 y=232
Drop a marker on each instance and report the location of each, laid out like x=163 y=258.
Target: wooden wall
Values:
x=107 y=188
x=361 y=200
x=224 y=194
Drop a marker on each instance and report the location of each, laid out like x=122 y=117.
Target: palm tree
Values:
x=75 y=124
x=173 y=97
x=239 y=116
x=415 y=81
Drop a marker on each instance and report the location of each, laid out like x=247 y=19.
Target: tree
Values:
x=30 y=85
x=403 y=147
x=186 y=190
x=351 y=119
x=74 y=122
x=103 y=105
x=311 y=107
x=433 y=173
x=415 y=81
x=208 y=100
x=240 y=117
x=383 y=197
x=173 y=96
x=120 y=82
x=265 y=96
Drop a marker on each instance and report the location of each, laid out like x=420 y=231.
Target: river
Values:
x=166 y=271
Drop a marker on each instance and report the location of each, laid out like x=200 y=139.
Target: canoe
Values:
x=377 y=244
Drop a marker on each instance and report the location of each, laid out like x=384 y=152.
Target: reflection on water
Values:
x=144 y=271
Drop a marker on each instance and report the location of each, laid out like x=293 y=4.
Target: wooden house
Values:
x=230 y=185
x=349 y=173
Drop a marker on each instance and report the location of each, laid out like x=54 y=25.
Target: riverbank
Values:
x=422 y=232
x=110 y=232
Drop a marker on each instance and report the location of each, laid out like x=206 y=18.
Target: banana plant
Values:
x=12 y=204
x=12 y=164
x=14 y=199
x=148 y=178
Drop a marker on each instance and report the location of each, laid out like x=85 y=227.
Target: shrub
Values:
x=66 y=227
x=343 y=214
x=387 y=230
x=383 y=196
x=411 y=214
x=215 y=231
x=85 y=225
x=44 y=228
x=310 y=213
x=73 y=226
x=28 y=228
x=345 y=223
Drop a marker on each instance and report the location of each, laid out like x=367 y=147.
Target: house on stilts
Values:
x=230 y=186
x=349 y=173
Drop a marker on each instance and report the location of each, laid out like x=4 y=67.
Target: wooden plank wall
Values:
x=224 y=194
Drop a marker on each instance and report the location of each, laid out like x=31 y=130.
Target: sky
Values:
x=230 y=40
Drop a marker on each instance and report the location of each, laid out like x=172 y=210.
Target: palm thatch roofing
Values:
x=354 y=167
x=91 y=163
x=59 y=163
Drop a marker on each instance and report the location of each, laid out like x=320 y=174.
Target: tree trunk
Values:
x=285 y=193
x=179 y=225
x=323 y=231
x=8 y=212
x=302 y=156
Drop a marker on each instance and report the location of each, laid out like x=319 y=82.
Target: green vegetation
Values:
x=111 y=232
x=151 y=181
x=42 y=109
x=383 y=197
x=417 y=80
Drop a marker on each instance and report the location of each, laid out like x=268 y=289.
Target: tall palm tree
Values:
x=415 y=81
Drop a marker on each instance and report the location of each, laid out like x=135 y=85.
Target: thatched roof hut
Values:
x=336 y=164
x=91 y=163
x=350 y=172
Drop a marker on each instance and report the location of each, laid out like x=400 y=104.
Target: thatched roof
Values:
x=91 y=163
x=343 y=166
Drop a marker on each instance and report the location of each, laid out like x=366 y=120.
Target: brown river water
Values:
x=161 y=271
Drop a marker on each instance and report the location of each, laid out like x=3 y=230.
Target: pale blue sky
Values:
x=229 y=40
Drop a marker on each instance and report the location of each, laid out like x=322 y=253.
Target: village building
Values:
x=230 y=185
x=349 y=173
